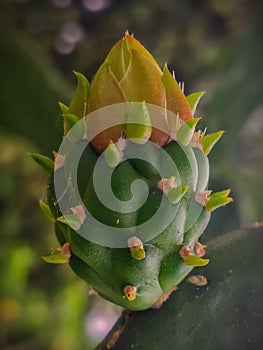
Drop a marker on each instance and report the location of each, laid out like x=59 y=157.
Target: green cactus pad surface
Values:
x=224 y=312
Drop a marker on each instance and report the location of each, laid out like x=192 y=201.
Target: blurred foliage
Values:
x=212 y=45
x=42 y=306
x=31 y=292
x=25 y=80
x=189 y=35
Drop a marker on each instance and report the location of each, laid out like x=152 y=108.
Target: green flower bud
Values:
x=131 y=74
x=128 y=196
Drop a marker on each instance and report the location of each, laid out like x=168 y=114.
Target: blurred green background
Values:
x=212 y=45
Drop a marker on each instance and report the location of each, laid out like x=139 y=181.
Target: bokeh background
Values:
x=212 y=45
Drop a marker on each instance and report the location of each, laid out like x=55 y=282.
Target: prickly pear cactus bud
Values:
x=128 y=189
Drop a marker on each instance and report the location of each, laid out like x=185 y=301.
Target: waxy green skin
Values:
x=109 y=270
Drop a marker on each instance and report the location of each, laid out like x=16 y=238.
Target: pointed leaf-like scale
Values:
x=56 y=258
x=112 y=155
x=70 y=120
x=46 y=210
x=142 y=81
x=214 y=204
x=194 y=260
x=71 y=220
x=217 y=200
x=45 y=162
x=210 y=140
x=105 y=90
x=138 y=128
x=223 y=193
x=176 y=101
x=193 y=100
x=138 y=253
x=176 y=193
x=186 y=131
x=63 y=108
x=78 y=105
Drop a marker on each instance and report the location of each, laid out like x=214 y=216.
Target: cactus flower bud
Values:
x=129 y=199
x=131 y=74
